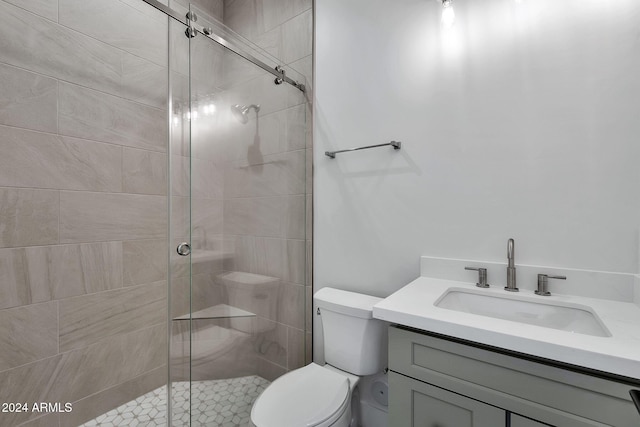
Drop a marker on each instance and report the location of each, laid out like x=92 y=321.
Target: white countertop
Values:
x=413 y=306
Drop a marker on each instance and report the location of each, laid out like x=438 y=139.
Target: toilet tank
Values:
x=353 y=340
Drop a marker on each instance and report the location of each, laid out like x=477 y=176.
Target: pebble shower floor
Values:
x=216 y=403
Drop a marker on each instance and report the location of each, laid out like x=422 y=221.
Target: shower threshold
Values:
x=211 y=403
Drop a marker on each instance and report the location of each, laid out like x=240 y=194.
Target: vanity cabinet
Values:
x=440 y=382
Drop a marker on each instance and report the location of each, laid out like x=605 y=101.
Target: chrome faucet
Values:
x=511 y=268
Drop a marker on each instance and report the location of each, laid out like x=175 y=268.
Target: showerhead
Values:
x=241 y=112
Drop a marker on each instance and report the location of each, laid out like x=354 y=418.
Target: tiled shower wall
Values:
x=83 y=200
x=252 y=191
x=83 y=205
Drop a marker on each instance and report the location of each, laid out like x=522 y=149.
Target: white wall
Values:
x=522 y=120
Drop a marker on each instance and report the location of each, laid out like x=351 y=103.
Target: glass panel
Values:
x=180 y=223
x=248 y=200
x=83 y=212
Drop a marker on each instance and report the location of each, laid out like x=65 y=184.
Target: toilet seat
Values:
x=311 y=396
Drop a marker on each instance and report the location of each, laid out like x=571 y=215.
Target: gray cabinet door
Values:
x=554 y=418
x=413 y=403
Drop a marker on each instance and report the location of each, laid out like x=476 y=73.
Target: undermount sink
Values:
x=574 y=318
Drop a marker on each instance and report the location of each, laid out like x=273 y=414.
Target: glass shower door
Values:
x=245 y=168
x=180 y=224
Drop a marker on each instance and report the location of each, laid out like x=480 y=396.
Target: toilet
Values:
x=355 y=345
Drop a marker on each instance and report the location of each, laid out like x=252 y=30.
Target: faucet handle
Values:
x=482 y=276
x=543 y=283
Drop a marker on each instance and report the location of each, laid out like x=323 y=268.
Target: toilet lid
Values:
x=305 y=397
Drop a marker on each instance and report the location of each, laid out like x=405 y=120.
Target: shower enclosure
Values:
x=238 y=222
x=153 y=214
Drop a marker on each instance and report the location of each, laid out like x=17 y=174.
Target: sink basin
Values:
x=575 y=318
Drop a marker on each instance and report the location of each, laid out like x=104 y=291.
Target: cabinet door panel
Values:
x=413 y=403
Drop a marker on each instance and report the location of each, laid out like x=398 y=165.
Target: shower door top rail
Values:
x=209 y=32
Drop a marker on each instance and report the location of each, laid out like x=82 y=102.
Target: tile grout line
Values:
x=80 y=348
x=95 y=141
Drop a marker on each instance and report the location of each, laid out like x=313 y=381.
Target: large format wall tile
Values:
x=206 y=179
x=180 y=175
x=266 y=216
x=144 y=172
x=28 y=100
x=112 y=361
x=292 y=305
x=277 y=132
x=119 y=25
x=15 y=289
x=87 y=319
x=33 y=382
x=44 y=273
x=292 y=167
x=44 y=8
x=101 y=72
x=297 y=37
x=243 y=16
x=34 y=159
x=275 y=12
x=50 y=420
x=253 y=216
x=85 y=113
x=28 y=334
x=144 y=81
x=144 y=261
x=57 y=51
x=252 y=180
x=263 y=92
x=88 y=217
x=206 y=219
x=252 y=18
x=293 y=218
x=206 y=65
x=48 y=48
x=56 y=272
x=71 y=376
x=305 y=67
x=28 y=217
x=90 y=407
x=295 y=348
x=284 y=29
x=180 y=218
x=295 y=263
x=215 y=8
x=273 y=341
x=269 y=371
x=280 y=258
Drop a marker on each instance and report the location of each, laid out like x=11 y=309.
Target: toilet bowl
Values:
x=323 y=396
x=314 y=395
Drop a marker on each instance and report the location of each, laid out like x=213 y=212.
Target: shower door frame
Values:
x=278 y=72
x=216 y=35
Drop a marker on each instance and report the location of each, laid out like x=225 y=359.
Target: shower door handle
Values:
x=183 y=249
